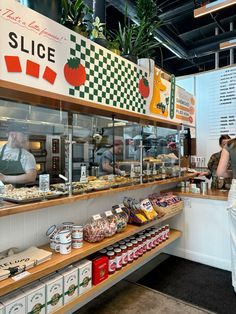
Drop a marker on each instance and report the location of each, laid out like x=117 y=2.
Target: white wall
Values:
x=205 y=229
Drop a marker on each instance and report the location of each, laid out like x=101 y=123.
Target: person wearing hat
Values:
x=106 y=161
x=17 y=165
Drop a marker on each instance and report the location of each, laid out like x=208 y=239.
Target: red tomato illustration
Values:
x=144 y=87
x=190 y=119
x=74 y=72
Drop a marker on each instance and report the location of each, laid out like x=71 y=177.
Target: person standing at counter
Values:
x=106 y=161
x=214 y=161
x=229 y=154
x=17 y=165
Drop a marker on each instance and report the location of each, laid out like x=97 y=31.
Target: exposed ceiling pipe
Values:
x=162 y=36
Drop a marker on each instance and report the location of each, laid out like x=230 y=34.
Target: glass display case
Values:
x=85 y=153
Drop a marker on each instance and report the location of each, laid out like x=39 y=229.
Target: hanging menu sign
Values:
x=222 y=112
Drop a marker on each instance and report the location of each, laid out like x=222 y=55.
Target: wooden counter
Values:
x=218 y=195
x=11 y=209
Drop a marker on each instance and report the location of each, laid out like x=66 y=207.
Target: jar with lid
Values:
x=124 y=251
x=121 y=243
x=159 y=236
x=156 y=237
x=168 y=231
x=109 y=248
x=140 y=246
x=116 y=245
x=149 y=241
x=132 y=238
x=135 y=248
x=130 y=252
x=103 y=252
x=163 y=233
x=152 y=233
x=118 y=258
x=111 y=262
x=144 y=244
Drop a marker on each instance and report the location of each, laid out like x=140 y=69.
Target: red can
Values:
x=100 y=269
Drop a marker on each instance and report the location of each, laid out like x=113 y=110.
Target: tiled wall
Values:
x=27 y=229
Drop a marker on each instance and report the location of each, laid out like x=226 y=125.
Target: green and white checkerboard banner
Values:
x=111 y=80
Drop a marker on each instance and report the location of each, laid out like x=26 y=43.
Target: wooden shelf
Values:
x=113 y=279
x=11 y=209
x=216 y=195
x=59 y=261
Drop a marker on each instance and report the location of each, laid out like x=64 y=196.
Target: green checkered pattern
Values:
x=110 y=79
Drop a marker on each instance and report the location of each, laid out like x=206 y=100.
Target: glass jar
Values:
x=144 y=244
x=149 y=240
x=152 y=233
x=140 y=246
x=124 y=254
x=130 y=252
x=111 y=262
x=135 y=249
x=109 y=248
x=103 y=252
x=118 y=258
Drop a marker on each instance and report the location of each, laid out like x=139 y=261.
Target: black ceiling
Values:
x=192 y=38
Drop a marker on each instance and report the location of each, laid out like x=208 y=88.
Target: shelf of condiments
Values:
x=52 y=292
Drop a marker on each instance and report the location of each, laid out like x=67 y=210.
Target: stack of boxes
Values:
x=49 y=293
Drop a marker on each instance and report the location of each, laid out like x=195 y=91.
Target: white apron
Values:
x=232 y=221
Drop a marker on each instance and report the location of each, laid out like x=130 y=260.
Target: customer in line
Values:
x=229 y=154
x=214 y=161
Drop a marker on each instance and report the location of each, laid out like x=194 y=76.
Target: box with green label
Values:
x=84 y=275
x=54 y=292
x=70 y=283
x=14 y=303
x=35 y=298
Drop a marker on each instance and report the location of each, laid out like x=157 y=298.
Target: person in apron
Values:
x=17 y=165
x=229 y=154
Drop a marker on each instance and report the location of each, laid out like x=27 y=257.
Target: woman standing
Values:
x=229 y=154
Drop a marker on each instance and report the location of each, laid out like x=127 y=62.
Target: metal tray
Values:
x=31 y=200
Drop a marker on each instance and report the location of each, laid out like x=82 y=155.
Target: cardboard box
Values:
x=70 y=283
x=14 y=303
x=54 y=292
x=84 y=275
x=35 y=295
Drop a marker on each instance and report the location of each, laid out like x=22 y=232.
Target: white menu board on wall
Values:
x=222 y=104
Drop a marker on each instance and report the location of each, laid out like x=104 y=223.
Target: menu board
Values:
x=222 y=103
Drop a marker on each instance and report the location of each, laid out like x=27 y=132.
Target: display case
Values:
x=87 y=153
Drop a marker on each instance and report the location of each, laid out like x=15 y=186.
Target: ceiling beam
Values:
x=177 y=13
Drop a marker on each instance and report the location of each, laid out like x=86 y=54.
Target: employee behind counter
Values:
x=106 y=161
x=17 y=165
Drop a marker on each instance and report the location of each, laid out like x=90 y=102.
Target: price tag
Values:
x=132 y=173
x=110 y=177
x=118 y=210
x=146 y=204
x=44 y=182
x=21 y=276
x=148 y=169
x=108 y=213
x=83 y=177
x=96 y=217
